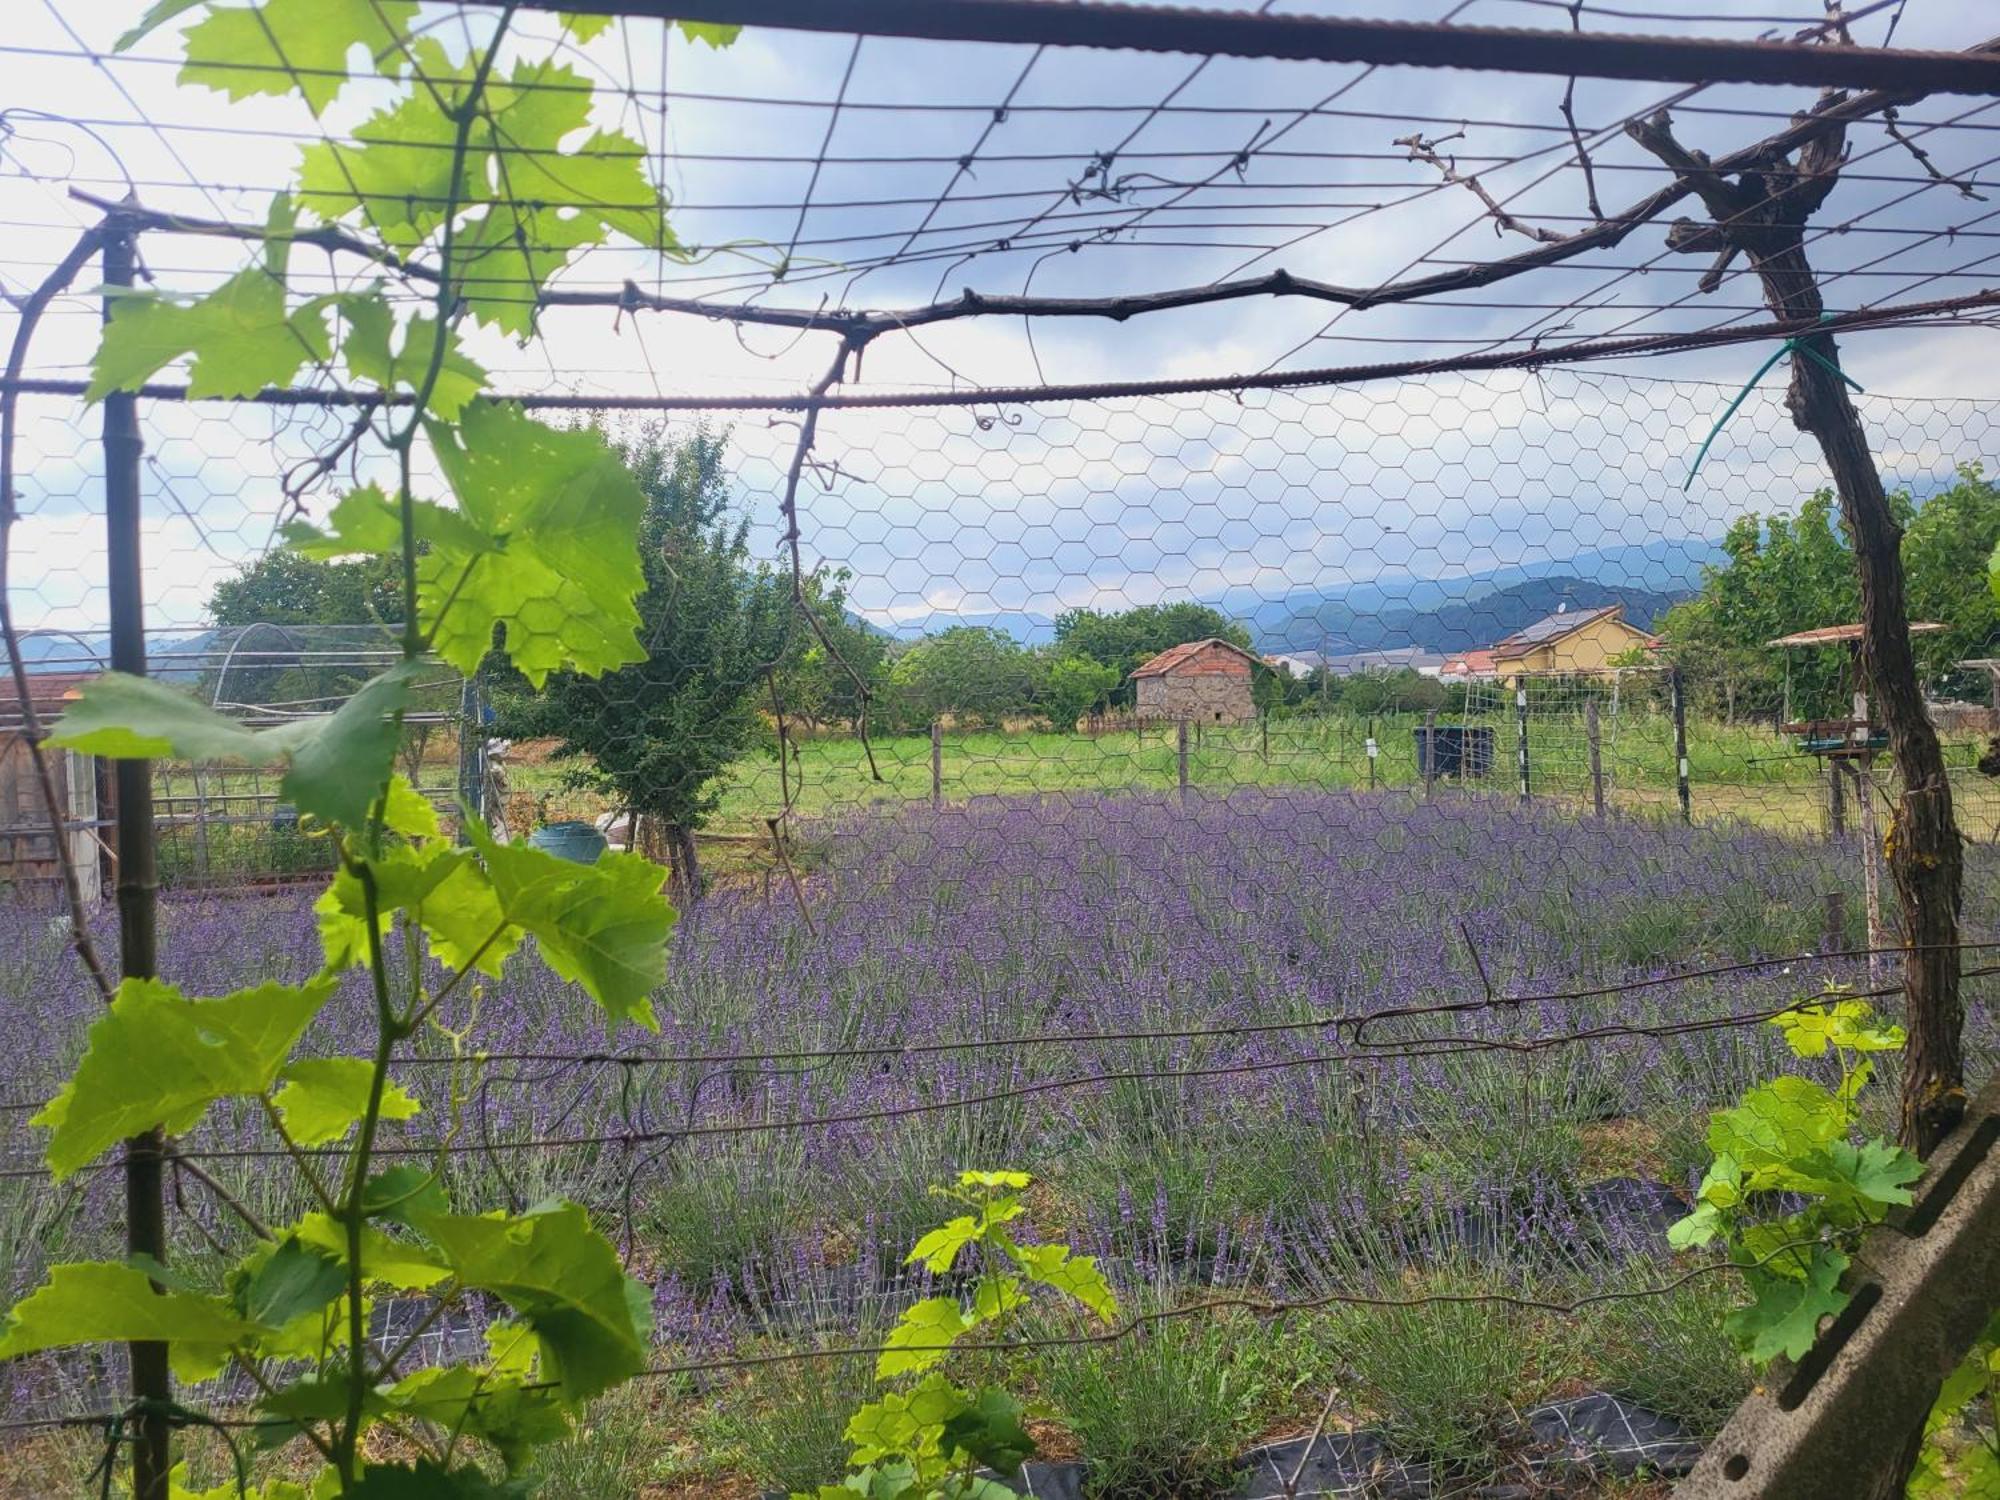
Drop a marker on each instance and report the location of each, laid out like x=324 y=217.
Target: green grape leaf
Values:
x=989 y=1431
x=385 y=1260
x=277 y=46
x=403 y=1195
x=442 y=890
x=397 y=170
x=366 y=350
x=995 y=1296
x=1783 y=1118
x=324 y=1097
x=585 y=28
x=1053 y=1266
x=242 y=335
x=314 y=1398
x=939 y=1249
x=335 y=764
x=1014 y=1181
x=501 y=1412
x=1874 y=1175
x=156 y=1058
x=424 y=1480
x=559 y=513
x=921 y=1337
x=276 y=1284
x=1698 y=1228
x=563 y=1280
x=97 y=1302
x=504 y=257
x=408 y=811
x=717 y=34
x=157 y=16
x=904 y=1422
x=1785 y=1317
x=603 y=925
x=603 y=181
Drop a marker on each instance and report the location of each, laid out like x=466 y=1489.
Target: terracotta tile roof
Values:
x=1836 y=635
x=1468 y=664
x=1187 y=658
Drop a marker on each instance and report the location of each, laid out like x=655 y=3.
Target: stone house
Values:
x=1204 y=682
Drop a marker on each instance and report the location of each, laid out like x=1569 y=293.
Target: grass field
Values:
x=1737 y=772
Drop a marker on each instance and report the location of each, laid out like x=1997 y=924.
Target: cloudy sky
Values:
x=912 y=189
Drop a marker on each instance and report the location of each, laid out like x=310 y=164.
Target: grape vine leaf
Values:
x=604 y=925
x=585 y=28
x=543 y=541
x=335 y=764
x=1786 y=1315
x=156 y=1058
x=989 y=1431
x=157 y=16
x=500 y=1410
x=424 y=1480
x=324 y=1097
x=102 y=1302
x=440 y=888
x=1053 y=1266
x=385 y=1259
x=277 y=46
x=397 y=167
x=277 y=1283
x=366 y=349
x=921 y=1337
x=940 y=1247
x=563 y=1279
x=403 y=1194
x=243 y=336
x=717 y=34
x=407 y=811
x=505 y=256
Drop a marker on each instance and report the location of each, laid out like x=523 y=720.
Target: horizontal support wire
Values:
x=1897 y=315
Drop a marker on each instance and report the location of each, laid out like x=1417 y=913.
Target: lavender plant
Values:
x=539 y=547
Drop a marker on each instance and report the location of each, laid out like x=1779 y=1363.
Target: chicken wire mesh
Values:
x=1123 y=941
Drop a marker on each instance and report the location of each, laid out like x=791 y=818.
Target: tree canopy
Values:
x=1784 y=574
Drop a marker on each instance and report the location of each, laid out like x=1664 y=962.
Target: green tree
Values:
x=1075 y=686
x=284 y=588
x=658 y=734
x=973 y=673
x=1131 y=637
x=1785 y=574
x=824 y=687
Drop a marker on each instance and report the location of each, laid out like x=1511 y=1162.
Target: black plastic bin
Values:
x=1456 y=749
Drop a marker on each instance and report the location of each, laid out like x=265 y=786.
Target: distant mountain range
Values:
x=1453 y=613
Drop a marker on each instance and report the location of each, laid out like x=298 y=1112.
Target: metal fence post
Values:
x=1429 y=756
x=937 y=765
x=1593 y=737
x=1521 y=732
x=1836 y=801
x=1369 y=747
x=138 y=883
x=1264 y=735
x=1677 y=688
x=1181 y=752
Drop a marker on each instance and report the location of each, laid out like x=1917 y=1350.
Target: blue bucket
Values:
x=573 y=841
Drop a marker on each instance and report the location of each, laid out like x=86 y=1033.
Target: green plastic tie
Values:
x=1791 y=345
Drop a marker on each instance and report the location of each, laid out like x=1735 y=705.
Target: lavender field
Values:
x=1199 y=1104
